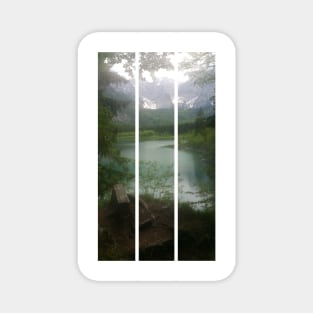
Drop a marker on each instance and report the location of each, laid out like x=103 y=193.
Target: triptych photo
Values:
x=166 y=82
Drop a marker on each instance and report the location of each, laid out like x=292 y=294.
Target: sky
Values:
x=162 y=73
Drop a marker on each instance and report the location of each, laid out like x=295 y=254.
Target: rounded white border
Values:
x=225 y=157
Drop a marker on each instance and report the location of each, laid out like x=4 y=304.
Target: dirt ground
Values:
x=116 y=232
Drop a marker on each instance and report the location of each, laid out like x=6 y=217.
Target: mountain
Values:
x=160 y=93
x=156 y=95
x=191 y=96
x=156 y=106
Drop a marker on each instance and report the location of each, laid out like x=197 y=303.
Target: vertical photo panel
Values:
x=116 y=156
x=196 y=156
x=156 y=157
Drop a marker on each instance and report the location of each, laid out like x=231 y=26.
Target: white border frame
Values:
x=225 y=157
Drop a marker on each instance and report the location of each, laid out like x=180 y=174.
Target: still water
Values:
x=157 y=171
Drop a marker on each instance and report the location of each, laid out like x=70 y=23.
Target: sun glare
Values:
x=160 y=74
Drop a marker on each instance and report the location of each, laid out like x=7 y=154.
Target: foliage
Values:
x=128 y=136
x=113 y=170
x=143 y=136
x=202 y=140
x=200 y=67
x=162 y=120
x=154 y=61
x=196 y=233
x=107 y=59
x=111 y=167
x=149 y=61
x=156 y=180
x=106 y=131
x=147 y=134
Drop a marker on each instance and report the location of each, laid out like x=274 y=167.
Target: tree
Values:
x=154 y=61
x=200 y=67
x=108 y=107
x=107 y=59
x=200 y=121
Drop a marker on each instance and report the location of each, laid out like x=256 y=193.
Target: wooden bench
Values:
x=119 y=199
x=146 y=218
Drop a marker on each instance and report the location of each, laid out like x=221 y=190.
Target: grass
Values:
x=126 y=136
x=202 y=140
x=144 y=135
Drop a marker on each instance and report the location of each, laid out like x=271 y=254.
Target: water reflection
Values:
x=195 y=186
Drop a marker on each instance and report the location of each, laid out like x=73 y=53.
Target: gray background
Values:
x=38 y=270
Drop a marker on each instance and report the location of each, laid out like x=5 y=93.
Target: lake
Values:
x=157 y=172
